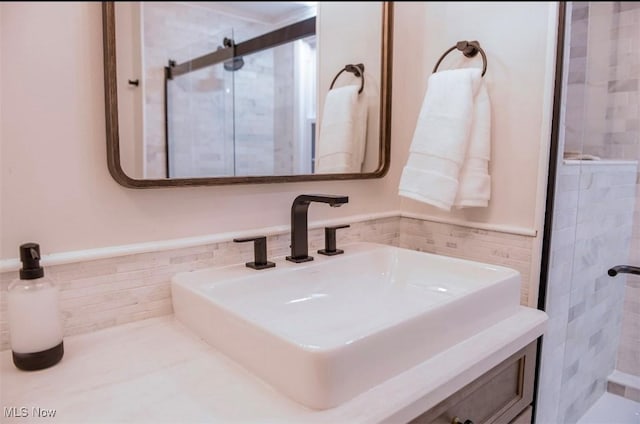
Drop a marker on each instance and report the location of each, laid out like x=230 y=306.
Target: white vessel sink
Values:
x=324 y=331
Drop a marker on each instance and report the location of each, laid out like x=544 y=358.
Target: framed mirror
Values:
x=208 y=93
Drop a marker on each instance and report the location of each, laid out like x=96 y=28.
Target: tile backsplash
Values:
x=510 y=250
x=107 y=292
x=102 y=293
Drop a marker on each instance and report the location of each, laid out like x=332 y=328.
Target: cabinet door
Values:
x=525 y=417
x=496 y=397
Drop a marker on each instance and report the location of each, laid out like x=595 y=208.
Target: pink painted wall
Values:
x=519 y=40
x=56 y=189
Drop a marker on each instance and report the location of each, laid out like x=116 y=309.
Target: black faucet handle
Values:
x=336 y=227
x=330 y=241
x=259 y=252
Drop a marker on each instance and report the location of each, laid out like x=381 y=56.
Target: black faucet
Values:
x=299 y=236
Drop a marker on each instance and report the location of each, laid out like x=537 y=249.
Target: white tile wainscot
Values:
x=101 y=293
x=110 y=289
x=483 y=245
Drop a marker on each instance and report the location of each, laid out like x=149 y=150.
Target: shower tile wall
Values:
x=283 y=156
x=264 y=113
x=182 y=32
x=575 y=98
x=629 y=348
x=606 y=197
x=221 y=122
x=253 y=118
x=626 y=111
x=591 y=232
x=603 y=119
x=602 y=110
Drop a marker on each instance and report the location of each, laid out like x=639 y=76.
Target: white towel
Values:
x=342 y=141
x=474 y=189
x=449 y=154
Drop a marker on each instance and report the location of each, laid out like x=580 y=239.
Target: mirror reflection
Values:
x=233 y=89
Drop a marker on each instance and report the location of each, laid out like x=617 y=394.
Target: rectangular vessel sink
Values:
x=322 y=332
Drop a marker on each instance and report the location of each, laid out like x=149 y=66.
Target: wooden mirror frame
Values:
x=113 y=141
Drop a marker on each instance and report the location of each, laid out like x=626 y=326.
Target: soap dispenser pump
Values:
x=35 y=324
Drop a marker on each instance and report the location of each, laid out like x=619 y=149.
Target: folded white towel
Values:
x=455 y=111
x=474 y=189
x=343 y=130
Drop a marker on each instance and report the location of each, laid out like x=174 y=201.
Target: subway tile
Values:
x=628 y=359
x=594 y=311
x=576 y=311
x=102 y=293
x=571 y=370
x=579 y=13
x=577 y=77
x=632 y=393
x=629 y=5
x=595 y=338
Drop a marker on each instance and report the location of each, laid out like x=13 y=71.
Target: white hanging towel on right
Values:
x=448 y=162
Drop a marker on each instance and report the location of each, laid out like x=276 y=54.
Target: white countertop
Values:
x=158 y=371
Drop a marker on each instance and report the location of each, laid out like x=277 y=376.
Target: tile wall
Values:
x=182 y=32
x=603 y=104
x=103 y=293
x=239 y=135
x=624 y=389
x=510 y=250
x=629 y=348
x=603 y=119
x=591 y=233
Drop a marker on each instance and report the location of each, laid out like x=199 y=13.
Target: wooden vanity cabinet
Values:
x=503 y=395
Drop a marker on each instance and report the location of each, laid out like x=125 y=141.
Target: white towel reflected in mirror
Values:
x=343 y=131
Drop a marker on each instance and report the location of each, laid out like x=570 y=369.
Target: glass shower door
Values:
x=200 y=128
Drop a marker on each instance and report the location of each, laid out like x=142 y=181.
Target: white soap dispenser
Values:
x=35 y=324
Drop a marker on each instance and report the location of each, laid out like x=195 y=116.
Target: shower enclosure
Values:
x=199 y=115
x=238 y=117
x=210 y=114
x=592 y=344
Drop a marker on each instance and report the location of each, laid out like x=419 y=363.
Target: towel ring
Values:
x=469 y=49
x=357 y=70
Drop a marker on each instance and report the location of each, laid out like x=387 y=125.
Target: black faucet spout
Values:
x=332 y=200
x=299 y=223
